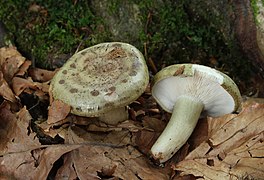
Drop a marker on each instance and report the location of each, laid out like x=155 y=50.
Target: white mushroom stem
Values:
x=115 y=116
x=183 y=120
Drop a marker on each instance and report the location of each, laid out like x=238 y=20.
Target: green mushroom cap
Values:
x=100 y=78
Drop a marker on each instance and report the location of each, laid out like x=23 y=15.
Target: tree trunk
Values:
x=237 y=22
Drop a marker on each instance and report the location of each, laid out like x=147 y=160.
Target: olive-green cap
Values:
x=100 y=78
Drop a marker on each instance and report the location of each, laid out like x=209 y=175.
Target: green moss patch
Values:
x=41 y=28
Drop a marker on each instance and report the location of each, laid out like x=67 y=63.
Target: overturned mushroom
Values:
x=185 y=90
x=101 y=81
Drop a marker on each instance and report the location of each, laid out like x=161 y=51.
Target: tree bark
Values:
x=235 y=20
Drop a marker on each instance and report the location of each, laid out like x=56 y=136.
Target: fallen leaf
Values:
x=5 y=90
x=33 y=163
x=7 y=122
x=67 y=171
x=21 y=154
x=234 y=148
x=112 y=154
x=20 y=84
x=96 y=128
x=130 y=125
x=199 y=134
x=15 y=132
x=23 y=68
x=58 y=111
x=48 y=157
x=144 y=140
x=48 y=128
x=41 y=75
x=10 y=61
x=84 y=121
x=42 y=90
x=17 y=165
x=153 y=123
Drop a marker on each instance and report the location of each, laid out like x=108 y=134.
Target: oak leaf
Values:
x=41 y=75
x=234 y=149
x=5 y=90
x=58 y=111
x=10 y=61
x=15 y=133
x=108 y=155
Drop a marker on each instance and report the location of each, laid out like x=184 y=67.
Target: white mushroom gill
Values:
x=186 y=98
x=203 y=87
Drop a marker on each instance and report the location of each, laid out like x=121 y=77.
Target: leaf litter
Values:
x=228 y=147
x=234 y=148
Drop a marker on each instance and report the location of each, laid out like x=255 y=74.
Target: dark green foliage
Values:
x=43 y=27
x=176 y=33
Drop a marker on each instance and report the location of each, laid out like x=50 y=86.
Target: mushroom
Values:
x=185 y=90
x=101 y=81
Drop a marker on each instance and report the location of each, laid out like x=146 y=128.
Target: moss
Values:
x=174 y=31
x=177 y=32
x=48 y=27
x=113 y=6
x=255 y=8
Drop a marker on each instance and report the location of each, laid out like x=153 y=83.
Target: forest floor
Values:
x=42 y=140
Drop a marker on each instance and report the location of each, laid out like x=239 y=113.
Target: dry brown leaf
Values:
x=17 y=165
x=10 y=61
x=47 y=158
x=110 y=154
x=50 y=131
x=98 y=126
x=15 y=128
x=58 y=111
x=67 y=171
x=130 y=125
x=145 y=139
x=44 y=87
x=7 y=122
x=20 y=84
x=153 y=123
x=234 y=149
x=22 y=156
x=199 y=134
x=7 y=52
x=33 y=163
x=23 y=68
x=41 y=75
x=84 y=121
x=5 y=90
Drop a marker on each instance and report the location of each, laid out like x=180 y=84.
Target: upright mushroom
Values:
x=185 y=90
x=101 y=81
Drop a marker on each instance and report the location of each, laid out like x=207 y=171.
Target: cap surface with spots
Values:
x=100 y=78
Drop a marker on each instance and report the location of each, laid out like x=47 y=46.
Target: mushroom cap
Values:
x=100 y=78
x=218 y=92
